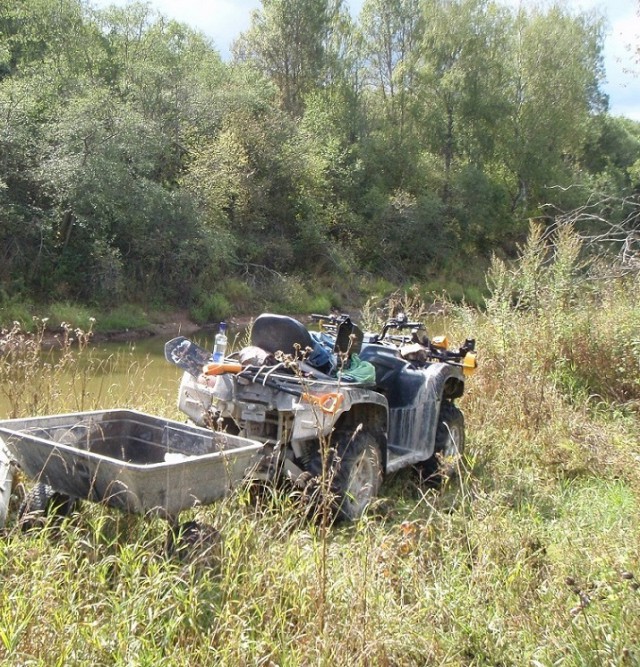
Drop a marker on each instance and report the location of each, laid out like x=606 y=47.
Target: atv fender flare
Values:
x=360 y=405
x=442 y=382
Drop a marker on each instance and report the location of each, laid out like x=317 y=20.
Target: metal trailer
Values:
x=126 y=459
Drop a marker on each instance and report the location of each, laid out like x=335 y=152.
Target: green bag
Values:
x=359 y=371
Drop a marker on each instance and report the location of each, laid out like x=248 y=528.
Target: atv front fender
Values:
x=413 y=418
x=358 y=405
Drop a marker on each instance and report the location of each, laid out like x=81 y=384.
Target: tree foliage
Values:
x=415 y=138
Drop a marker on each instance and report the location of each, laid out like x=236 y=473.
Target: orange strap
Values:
x=218 y=368
x=329 y=403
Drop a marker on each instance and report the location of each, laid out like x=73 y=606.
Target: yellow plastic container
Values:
x=469 y=363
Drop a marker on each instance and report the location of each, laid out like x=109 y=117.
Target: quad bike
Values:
x=357 y=405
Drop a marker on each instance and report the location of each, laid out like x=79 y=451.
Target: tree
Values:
x=553 y=88
x=391 y=33
x=93 y=143
x=461 y=80
x=288 y=41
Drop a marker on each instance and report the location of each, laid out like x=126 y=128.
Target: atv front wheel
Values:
x=449 y=445
x=353 y=473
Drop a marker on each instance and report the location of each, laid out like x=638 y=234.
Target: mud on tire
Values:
x=353 y=474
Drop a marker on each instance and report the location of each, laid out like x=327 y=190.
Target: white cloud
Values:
x=221 y=20
x=623 y=77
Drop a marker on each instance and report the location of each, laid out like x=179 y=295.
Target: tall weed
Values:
x=36 y=375
x=530 y=558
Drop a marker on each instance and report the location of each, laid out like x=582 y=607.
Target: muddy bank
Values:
x=177 y=324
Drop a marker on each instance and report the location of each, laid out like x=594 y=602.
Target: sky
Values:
x=223 y=20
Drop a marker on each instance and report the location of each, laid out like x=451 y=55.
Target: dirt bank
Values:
x=174 y=324
x=177 y=323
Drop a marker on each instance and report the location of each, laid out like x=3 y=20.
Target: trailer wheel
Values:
x=193 y=539
x=354 y=474
x=41 y=504
x=449 y=445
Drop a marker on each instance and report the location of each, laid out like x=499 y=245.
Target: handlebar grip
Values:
x=394 y=324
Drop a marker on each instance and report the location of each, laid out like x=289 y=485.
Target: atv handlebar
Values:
x=399 y=323
x=332 y=319
x=436 y=348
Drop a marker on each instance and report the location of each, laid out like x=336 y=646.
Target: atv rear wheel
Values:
x=449 y=445
x=353 y=473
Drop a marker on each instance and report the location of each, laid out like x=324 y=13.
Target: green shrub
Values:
x=474 y=296
x=238 y=293
x=321 y=303
x=122 y=318
x=582 y=330
x=74 y=315
x=378 y=287
x=292 y=295
x=16 y=311
x=211 y=308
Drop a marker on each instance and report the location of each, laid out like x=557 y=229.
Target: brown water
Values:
x=122 y=374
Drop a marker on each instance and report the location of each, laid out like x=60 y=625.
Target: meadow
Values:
x=530 y=557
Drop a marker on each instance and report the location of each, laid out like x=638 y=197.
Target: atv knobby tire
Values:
x=42 y=504
x=449 y=445
x=352 y=474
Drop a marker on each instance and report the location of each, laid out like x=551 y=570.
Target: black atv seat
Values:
x=275 y=333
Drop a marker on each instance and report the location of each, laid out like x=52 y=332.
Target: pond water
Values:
x=106 y=375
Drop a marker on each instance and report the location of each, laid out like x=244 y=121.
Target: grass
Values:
x=530 y=558
x=60 y=315
x=122 y=318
